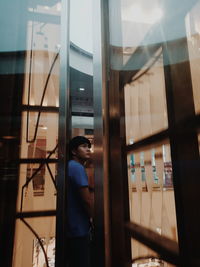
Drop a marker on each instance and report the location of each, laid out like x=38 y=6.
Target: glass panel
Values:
x=81 y=74
x=44 y=129
x=145 y=101
x=41 y=88
x=151 y=190
x=192 y=21
x=81 y=68
x=27 y=249
x=131 y=23
x=39 y=133
x=37 y=190
x=42 y=67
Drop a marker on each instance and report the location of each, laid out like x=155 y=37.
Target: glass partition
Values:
x=192 y=22
x=34 y=243
x=154 y=49
x=151 y=194
x=151 y=190
x=81 y=73
x=145 y=100
x=131 y=23
x=81 y=68
x=137 y=37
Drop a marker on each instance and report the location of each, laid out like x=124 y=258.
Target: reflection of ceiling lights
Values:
x=92 y=149
x=81 y=89
x=58 y=46
x=42 y=127
x=136 y=13
x=147 y=264
x=9 y=137
x=44 y=103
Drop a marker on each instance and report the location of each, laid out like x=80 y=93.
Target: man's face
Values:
x=82 y=152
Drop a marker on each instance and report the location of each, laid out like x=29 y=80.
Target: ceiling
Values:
x=81 y=100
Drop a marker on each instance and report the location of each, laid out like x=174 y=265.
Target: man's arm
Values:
x=88 y=200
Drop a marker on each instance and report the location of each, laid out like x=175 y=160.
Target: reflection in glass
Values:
x=81 y=74
x=34 y=135
x=192 y=21
x=131 y=23
x=145 y=102
x=37 y=187
x=151 y=194
x=148 y=257
x=42 y=71
x=28 y=250
x=38 y=179
x=38 y=257
x=39 y=136
x=81 y=69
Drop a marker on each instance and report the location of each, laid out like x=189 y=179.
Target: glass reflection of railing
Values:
x=41 y=101
x=151 y=63
x=39 y=240
x=43 y=163
x=166 y=248
x=23 y=215
x=33 y=214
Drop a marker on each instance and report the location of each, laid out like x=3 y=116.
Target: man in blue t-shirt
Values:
x=80 y=203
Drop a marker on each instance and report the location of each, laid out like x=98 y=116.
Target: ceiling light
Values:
x=81 y=89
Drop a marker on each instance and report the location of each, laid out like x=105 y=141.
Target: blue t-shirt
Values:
x=78 y=219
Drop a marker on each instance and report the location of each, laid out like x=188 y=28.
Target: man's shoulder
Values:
x=74 y=164
x=77 y=174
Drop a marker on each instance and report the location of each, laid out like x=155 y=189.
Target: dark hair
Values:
x=76 y=141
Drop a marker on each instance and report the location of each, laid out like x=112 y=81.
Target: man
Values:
x=80 y=203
